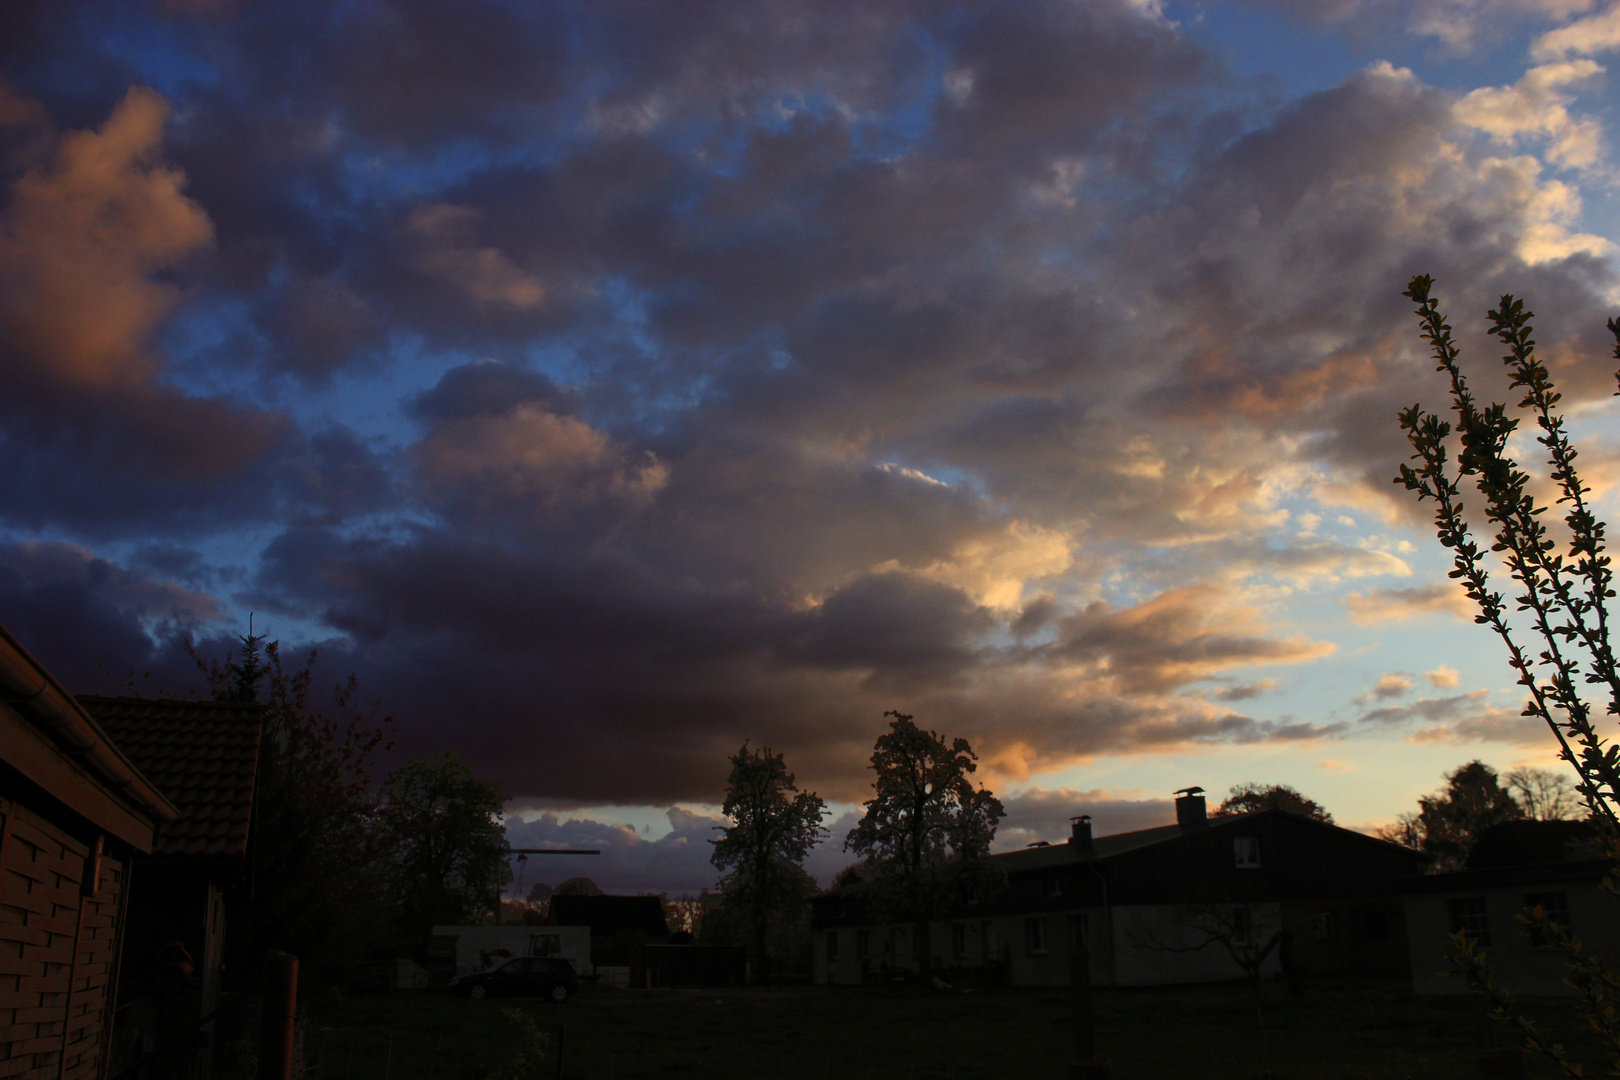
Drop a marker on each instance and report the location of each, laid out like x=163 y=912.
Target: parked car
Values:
x=527 y=976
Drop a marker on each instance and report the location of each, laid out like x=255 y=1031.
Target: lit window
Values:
x=1035 y=935
x=1246 y=851
x=1468 y=915
x=832 y=946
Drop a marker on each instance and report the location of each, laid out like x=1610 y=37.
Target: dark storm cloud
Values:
x=835 y=356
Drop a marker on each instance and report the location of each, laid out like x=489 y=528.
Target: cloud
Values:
x=1176 y=638
x=1442 y=677
x=80 y=242
x=1594 y=34
x=1536 y=106
x=1400 y=605
x=1461 y=718
x=1045 y=813
x=675 y=863
x=1390 y=686
x=1245 y=691
x=449 y=251
x=608 y=384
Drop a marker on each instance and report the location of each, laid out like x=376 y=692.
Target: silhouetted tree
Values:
x=926 y=827
x=762 y=853
x=1544 y=795
x=318 y=846
x=1248 y=797
x=1452 y=820
x=1564 y=585
x=1448 y=823
x=450 y=848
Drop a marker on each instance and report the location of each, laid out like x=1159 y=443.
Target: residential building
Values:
x=76 y=812
x=1180 y=903
x=1556 y=865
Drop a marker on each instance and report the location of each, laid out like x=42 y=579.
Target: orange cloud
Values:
x=80 y=241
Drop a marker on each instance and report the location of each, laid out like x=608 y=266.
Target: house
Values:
x=1516 y=865
x=617 y=925
x=76 y=812
x=204 y=755
x=1157 y=906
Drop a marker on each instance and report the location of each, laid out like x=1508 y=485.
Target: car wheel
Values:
x=477 y=991
x=559 y=993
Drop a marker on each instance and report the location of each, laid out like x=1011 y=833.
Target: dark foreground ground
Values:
x=1342 y=1029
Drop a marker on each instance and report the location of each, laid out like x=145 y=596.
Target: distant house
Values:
x=1153 y=907
x=76 y=811
x=617 y=925
x=204 y=755
x=1515 y=865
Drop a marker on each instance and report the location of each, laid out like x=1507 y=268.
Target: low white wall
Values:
x=475 y=945
x=1162 y=945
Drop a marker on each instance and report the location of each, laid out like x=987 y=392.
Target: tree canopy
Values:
x=1249 y=796
x=451 y=854
x=762 y=853
x=318 y=845
x=926 y=825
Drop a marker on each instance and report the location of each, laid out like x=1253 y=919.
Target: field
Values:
x=1341 y=1029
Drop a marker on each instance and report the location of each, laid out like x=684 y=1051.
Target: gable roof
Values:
x=607 y=915
x=1531 y=843
x=203 y=754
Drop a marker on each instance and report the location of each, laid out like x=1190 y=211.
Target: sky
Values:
x=609 y=384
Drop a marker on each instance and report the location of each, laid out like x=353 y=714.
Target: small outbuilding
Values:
x=204 y=755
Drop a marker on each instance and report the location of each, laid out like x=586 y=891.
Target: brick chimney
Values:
x=1190 y=813
x=1080 y=836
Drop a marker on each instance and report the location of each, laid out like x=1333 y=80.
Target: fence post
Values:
x=278 y=1016
x=1085 y=1065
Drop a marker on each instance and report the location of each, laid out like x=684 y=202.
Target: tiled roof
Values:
x=203 y=755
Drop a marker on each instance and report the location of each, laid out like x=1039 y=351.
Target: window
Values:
x=1242 y=926
x=1035 y=935
x=959 y=939
x=1555 y=905
x=1468 y=915
x=1377 y=925
x=863 y=944
x=545 y=944
x=1077 y=929
x=832 y=947
x=1322 y=927
x=1054 y=885
x=1246 y=851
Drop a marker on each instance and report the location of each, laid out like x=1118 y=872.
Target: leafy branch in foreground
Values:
x=1564 y=593
x=1564 y=589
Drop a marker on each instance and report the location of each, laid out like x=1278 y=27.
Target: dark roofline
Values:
x=36 y=694
x=1533 y=874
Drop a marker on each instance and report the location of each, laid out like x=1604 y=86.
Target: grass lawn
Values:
x=1343 y=1028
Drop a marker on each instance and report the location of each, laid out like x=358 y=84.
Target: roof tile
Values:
x=203 y=755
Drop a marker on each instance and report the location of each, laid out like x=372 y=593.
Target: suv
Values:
x=532 y=976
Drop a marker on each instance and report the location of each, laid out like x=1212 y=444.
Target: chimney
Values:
x=1190 y=808
x=1080 y=836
